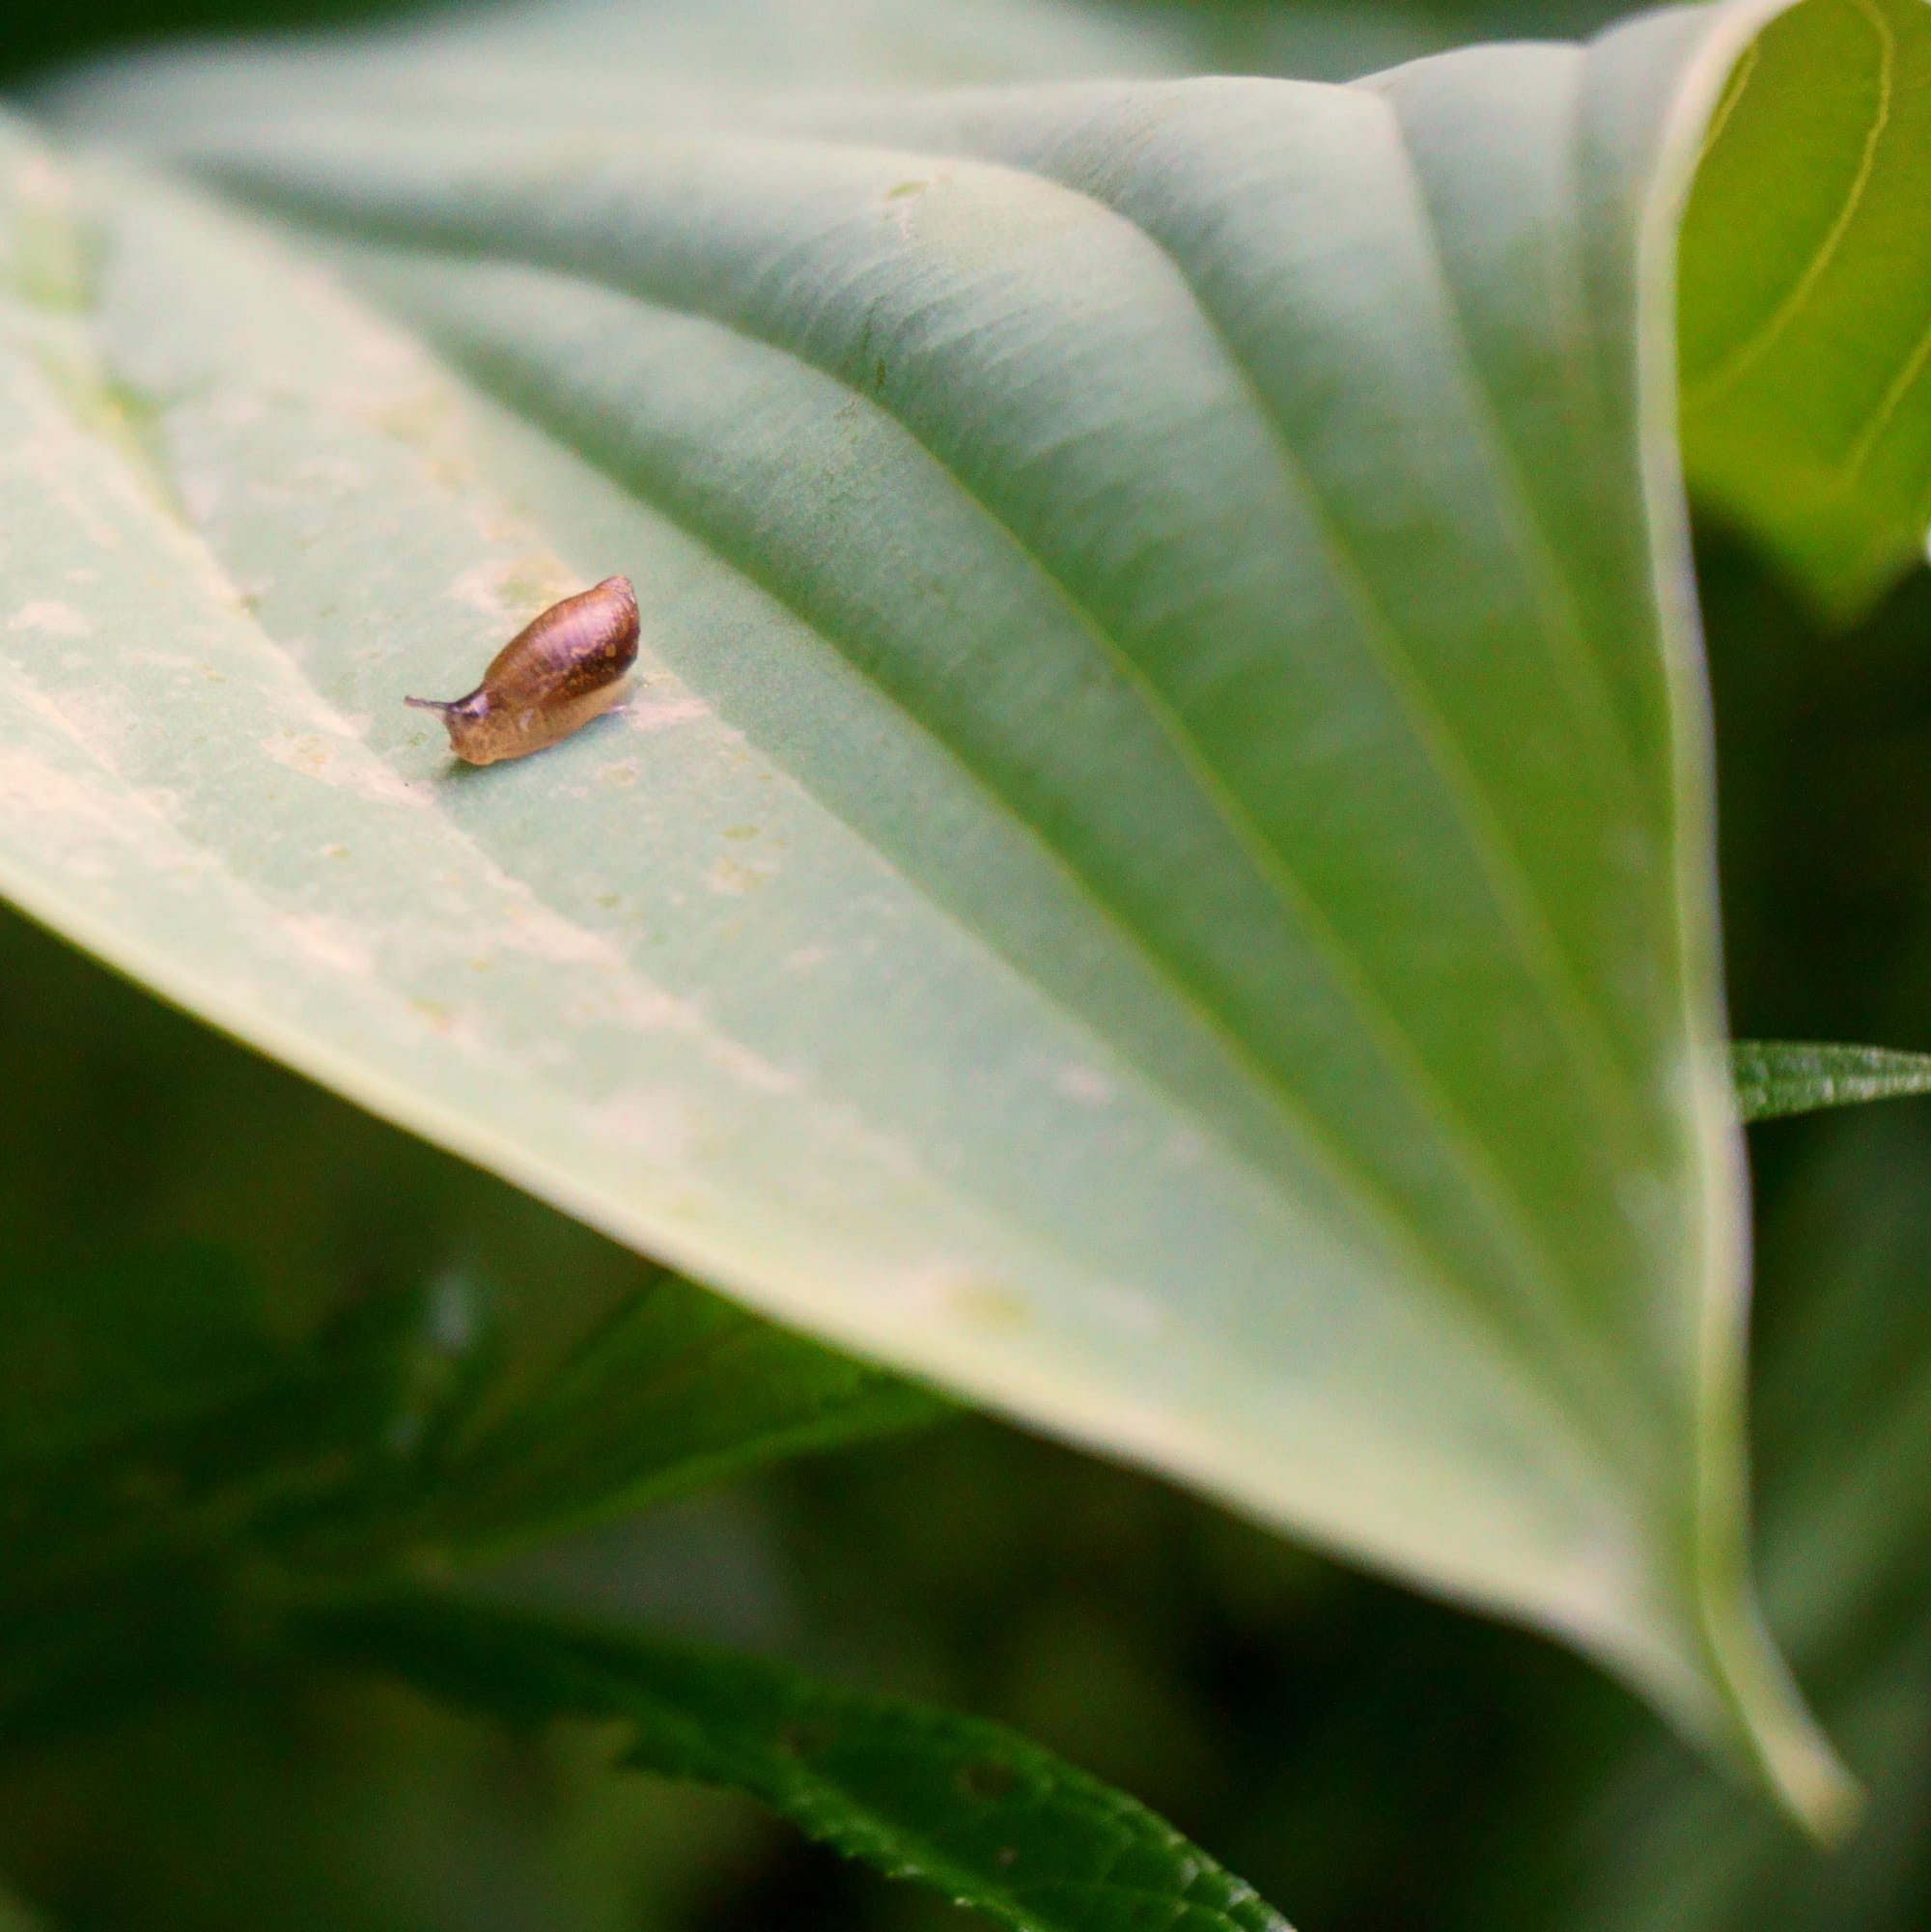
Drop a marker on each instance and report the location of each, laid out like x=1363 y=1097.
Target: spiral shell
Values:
x=556 y=674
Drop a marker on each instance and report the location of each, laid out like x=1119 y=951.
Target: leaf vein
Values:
x=1747 y=354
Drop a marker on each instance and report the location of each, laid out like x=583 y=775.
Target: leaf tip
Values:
x=1770 y=1733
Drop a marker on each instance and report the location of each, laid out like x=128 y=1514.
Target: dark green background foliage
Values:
x=1366 y=1758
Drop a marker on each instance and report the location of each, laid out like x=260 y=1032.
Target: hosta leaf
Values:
x=993 y=1820
x=1780 y=1076
x=1806 y=290
x=1158 y=870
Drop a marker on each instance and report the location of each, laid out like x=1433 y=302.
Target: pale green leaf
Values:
x=1807 y=298
x=991 y=1820
x=1157 y=871
x=1781 y=1077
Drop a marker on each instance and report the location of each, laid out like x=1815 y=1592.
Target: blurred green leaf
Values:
x=343 y=1802
x=677 y=1390
x=673 y=1391
x=1783 y=1077
x=988 y=1818
x=1266 y=1026
x=374 y=1445
x=1805 y=286
x=130 y=1523
x=95 y=1352
x=15 y=1918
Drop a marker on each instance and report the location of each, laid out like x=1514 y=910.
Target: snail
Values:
x=557 y=673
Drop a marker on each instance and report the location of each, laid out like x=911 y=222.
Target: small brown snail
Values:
x=556 y=674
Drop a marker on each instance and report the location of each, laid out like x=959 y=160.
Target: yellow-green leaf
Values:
x=1807 y=298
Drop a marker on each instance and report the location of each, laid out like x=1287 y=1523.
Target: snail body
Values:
x=560 y=671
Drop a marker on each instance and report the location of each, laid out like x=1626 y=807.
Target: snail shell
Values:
x=550 y=678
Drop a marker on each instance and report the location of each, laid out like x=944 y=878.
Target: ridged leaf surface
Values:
x=1158 y=869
